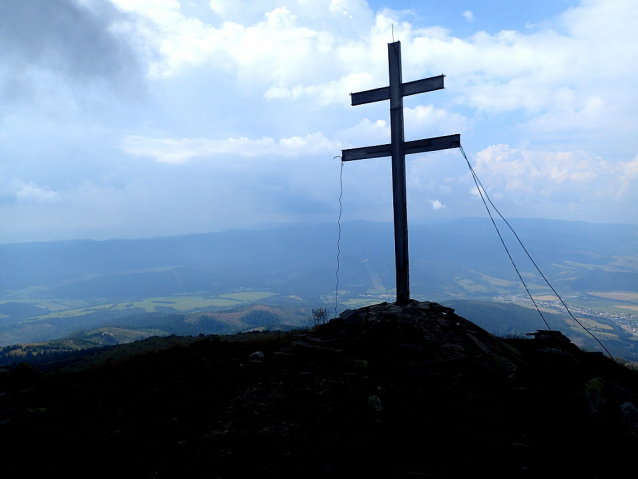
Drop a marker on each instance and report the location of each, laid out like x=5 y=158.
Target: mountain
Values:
x=383 y=391
x=52 y=289
x=302 y=260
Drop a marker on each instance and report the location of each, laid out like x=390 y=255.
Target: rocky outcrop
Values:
x=381 y=391
x=433 y=330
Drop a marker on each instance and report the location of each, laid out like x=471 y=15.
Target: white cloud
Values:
x=437 y=205
x=260 y=42
x=297 y=51
x=420 y=122
x=469 y=16
x=168 y=150
x=365 y=133
x=555 y=176
x=627 y=179
x=230 y=91
x=437 y=121
x=574 y=78
x=316 y=13
x=579 y=79
x=29 y=192
x=324 y=94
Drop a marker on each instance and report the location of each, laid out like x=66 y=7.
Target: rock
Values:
x=374 y=403
x=630 y=417
x=435 y=330
x=25 y=375
x=256 y=355
x=596 y=401
x=451 y=406
x=549 y=336
x=303 y=346
x=347 y=313
x=357 y=363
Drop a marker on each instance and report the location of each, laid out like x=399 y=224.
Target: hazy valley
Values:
x=115 y=291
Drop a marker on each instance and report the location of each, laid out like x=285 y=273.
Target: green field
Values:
x=468 y=285
x=50 y=304
x=178 y=303
x=247 y=296
x=360 y=302
x=617 y=296
x=66 y=309
x=600 y=303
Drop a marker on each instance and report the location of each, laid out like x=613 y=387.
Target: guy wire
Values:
x=339 y=238
x=481 y=190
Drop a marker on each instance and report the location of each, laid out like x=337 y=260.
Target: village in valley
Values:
x=627 y=321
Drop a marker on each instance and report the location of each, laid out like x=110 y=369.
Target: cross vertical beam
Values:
x=397 y=149
x=399 y=195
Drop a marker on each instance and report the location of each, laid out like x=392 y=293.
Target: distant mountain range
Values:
x=456 y=259
x=51 y=289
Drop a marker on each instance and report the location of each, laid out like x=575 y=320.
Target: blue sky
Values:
x=139 y=118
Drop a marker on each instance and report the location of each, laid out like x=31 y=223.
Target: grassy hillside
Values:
x=73 y=333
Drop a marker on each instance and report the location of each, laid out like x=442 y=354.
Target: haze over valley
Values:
x=271 y=278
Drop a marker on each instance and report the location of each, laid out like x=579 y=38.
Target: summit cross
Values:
x=397 y=149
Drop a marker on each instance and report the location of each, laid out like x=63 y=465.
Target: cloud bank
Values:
x=146 y=117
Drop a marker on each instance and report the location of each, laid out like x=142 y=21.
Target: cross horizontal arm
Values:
x=409 y=88
x=423 y=86
x=370 y=96
x=409 y=147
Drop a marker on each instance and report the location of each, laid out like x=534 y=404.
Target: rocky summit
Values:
x=381 y=391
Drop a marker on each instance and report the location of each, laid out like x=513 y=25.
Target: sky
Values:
x=143 y=118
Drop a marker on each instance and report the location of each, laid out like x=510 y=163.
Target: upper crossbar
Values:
x=409 y=88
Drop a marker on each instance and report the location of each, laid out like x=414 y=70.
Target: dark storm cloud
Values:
x=64 y=37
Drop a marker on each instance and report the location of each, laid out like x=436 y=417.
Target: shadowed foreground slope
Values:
x=384 y=390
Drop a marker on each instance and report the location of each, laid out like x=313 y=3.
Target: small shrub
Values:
x=319 y=316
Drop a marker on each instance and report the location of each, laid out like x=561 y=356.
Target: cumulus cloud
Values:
x=249 y=99
x=337 y=91
x=560 y=176
x=29 y=192
x=167 y=150
x=303 y=50
x=627 y=179
x=317 y=14
x=284 y=44
x=365 y=132
x=568 y=79
x=433 y=121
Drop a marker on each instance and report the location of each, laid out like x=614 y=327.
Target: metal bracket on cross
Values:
x=397 y=149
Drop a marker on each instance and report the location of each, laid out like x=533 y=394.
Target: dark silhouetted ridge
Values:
x=382 y=391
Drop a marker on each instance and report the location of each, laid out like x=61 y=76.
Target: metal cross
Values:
x=398 y=148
